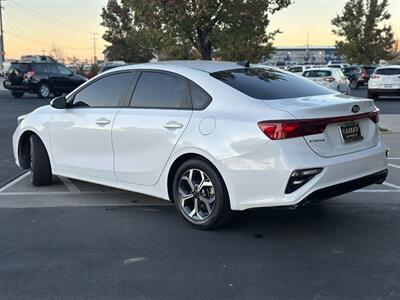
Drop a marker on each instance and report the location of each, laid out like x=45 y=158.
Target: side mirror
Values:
x=59 y=103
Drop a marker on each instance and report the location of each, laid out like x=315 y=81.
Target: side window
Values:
x=200 y=99
x=105 y=92
x=63 y=70
x=160 y=90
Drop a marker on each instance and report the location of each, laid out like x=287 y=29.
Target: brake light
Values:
x=30 y=74
x=278 y=130
x=284 y=129
x=363 y=73
x=375 y=77
x=330 y=79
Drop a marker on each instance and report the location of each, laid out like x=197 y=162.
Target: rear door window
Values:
x=269 y=84
x=20 y=67
x=200 y=98
x=161 y=90
x=388 y=71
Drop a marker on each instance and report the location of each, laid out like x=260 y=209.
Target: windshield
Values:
x=268 y=84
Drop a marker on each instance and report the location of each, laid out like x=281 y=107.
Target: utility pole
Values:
x=2 y=36
x=94 y=48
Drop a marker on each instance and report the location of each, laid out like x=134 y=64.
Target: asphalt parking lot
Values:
x=77 y=240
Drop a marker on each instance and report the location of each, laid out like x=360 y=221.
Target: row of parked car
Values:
x=381 y=80
x=48 y=77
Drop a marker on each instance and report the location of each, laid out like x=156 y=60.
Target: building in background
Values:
x=304 y=55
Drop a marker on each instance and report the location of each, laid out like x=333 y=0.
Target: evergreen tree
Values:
x=365 y=34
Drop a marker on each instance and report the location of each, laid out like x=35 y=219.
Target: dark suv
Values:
x=358 y=75
x=41 y=78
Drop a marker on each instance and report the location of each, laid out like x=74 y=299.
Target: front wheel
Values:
x=40 y=163
x=44 y=90
x=200 y=195
x=17 y=94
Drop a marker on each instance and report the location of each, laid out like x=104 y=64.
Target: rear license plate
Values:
x=350 y=132
x=7 y=82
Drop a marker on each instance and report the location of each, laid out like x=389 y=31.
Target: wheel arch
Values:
x=24 y=147
x=181 y=159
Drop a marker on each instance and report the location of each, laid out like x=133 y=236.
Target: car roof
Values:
x=389 y=67
x=202 y=65
x=320 y=69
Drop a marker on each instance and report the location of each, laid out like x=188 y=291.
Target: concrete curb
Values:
x=390 y=122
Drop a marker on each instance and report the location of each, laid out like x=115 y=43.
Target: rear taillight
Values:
x=278 y=130
x=30 y=74
x=364 y=73
x=284 y=129
x=375 y=77
x=330 y=79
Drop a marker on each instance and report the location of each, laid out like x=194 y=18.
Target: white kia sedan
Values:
x=329 y=77
x=384 y=82
x=212 y=137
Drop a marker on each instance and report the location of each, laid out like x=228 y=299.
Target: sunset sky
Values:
x=33 y=26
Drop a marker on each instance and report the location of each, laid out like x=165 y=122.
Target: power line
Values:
x=50 y=19
x=19 y=36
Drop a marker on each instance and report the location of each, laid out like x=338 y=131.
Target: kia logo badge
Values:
x=355 y=109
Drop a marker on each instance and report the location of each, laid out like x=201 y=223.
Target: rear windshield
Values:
x=268 y=84
x=369 y=70
x=317 y=73
x=388 y=71
x=23 y=68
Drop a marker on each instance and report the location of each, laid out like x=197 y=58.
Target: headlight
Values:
x=20 y=119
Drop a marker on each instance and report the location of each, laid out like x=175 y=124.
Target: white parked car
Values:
x=385 y=81
x=298 y=69
x=210 y=136
x=337 y=66
x=330 y=78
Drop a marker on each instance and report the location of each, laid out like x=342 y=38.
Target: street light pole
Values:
x=2 y=37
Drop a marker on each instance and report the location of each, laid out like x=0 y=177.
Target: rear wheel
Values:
x=44 y=90
x=17 y=94
x=354 y=85
x=200 y=195
x=40 y=163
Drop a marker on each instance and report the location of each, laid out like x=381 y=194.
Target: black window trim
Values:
x=70 y=100
x=154 y=107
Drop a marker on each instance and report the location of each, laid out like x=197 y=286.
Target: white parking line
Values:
x=68 y=183
x=377 y=191
x=394 y=158
x=62 y=193
x=15 y=181
x=392 y=185
x=394 y=166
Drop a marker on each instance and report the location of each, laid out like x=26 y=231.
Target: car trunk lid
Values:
x=350 y=126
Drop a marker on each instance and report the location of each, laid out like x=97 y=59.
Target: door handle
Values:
x=173 y=125
x=103 y=121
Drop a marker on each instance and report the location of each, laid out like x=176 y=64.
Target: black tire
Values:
x=221 y=211
x=17 y=94
x=44 y=90
x=354 y=85
x=40 y=163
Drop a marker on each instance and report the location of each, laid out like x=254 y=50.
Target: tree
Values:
x=128 y=43
x=366 y=36
x=225 y=29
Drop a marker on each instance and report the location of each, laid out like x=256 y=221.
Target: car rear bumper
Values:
x=388 y=92
x=260 y=179
x=345 y=187
x=22 y=88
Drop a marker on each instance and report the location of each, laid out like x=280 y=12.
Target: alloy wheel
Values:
x=196 y=195
x=44 y=90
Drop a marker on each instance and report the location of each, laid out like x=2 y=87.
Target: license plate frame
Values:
x=350 y=132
